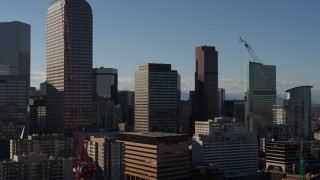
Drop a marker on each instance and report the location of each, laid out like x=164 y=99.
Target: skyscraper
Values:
x=69 y=65
x=261 y=95
x=15 y=48
x=14 y=81
x=206 y=83
x=105 y=83
x=156 y=94
x=298 y=109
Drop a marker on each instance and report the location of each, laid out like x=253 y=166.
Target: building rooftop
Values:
x=298 y=87
x=153 y=134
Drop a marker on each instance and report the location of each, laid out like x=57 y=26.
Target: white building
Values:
x=233 y=151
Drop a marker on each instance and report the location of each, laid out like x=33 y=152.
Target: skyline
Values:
x=127 y=34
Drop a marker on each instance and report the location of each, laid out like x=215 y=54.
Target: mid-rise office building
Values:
x=155 y=155
x=108 y=156
x=235 y=109
x=288 y=151
x=36 y=166
x=55 y=145
x=37 y=116
x=226 y=145
x=261 y=95
x=69 y=66
x=156 y=98
x=206 y=83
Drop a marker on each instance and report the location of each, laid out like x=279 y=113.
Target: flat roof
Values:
x=153 y=134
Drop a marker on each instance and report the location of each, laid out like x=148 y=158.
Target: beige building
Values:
x=69 y=66
x=155 y=155
x=108 y=156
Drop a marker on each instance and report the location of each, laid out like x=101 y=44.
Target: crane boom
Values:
x=83 y=163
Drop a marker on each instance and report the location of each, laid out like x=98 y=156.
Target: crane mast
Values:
x=301 y=152
x=83 y=167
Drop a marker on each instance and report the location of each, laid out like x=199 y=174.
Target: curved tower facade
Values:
x=69 y=65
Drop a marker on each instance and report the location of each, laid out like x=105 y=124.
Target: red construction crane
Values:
x=83 y=164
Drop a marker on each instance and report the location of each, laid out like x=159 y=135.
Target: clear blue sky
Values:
x=128 y=33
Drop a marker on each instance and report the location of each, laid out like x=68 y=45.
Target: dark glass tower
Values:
x=14 y=81
x=206 y=84
x=105 y=83
x=69 y=68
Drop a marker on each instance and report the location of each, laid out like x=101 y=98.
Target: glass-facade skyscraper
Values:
x=15 y=48
x=297 y=106
x=105 y=83
x=107 y=112
x=261 y=95
x=14 y=81
x=69 y=65
x=156 y=98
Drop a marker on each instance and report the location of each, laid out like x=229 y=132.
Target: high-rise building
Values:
x=15 y=48
x=69 y=66
x=298 y=111
x=108 y=156
x=206 y=83
x=156 y=94
x=221 y=98
x=105 y=98
x=126 y=101
x=261 y=95
x=155 y=155
x=105 y=84
x=14 y=81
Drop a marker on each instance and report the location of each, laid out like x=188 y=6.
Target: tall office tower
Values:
x=108 y=156
x=105 y=98
x=105 y=84
x=261 y=95
x=155 y=155
x=221 y=98
x=156 y=91
x=206 y=83
x=298 y=110
x=69 y=66
x=14 y=81
x=126 y=101
x=15 y=48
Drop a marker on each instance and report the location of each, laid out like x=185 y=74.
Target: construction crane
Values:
x=256 y=59
x=83 y=167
